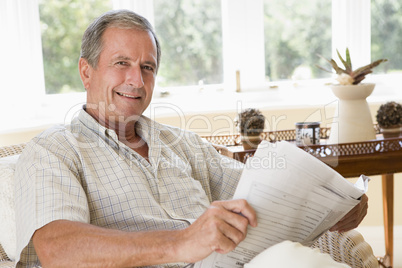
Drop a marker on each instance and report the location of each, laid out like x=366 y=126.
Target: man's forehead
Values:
x=127 y=30
x=112 y=41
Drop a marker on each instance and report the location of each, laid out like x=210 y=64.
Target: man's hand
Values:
x=221 y=228
x=353 y=218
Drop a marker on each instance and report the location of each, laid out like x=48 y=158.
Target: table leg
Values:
x=388 y=206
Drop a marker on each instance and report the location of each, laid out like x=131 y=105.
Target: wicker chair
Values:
x=349 y=247
x=11 y=150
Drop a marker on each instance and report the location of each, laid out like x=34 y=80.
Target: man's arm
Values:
x=70 y=244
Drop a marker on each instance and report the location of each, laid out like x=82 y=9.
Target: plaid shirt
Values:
x=82 y=172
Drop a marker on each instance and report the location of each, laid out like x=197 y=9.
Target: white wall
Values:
x=281 y=118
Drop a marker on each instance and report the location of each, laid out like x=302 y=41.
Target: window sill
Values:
x=59 y=109
x=285 y=95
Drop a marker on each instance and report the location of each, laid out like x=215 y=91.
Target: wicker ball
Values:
x=389 y=115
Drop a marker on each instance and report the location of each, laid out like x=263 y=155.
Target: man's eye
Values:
x=149 y=68
x=121 y=63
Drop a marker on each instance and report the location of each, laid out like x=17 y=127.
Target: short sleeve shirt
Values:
x=82 y=172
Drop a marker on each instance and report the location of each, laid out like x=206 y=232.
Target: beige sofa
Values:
x=349 y=248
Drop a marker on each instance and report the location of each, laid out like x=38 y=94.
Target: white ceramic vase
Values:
x=352 y=121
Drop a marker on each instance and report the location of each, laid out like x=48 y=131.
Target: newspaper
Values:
x=296 y=197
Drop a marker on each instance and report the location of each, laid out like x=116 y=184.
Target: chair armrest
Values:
x=11 y=150
x=5 y=262
x=349 y=247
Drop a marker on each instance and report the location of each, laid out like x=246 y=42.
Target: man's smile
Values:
x=128 y=96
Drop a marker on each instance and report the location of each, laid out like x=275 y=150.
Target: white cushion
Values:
x=289 y=254
x=7 y=213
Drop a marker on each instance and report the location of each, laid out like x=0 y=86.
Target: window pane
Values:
x=386 y=34
x=295 y=33
x=190 y=33
x=62 y=26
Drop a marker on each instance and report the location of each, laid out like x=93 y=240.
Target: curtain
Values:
x=22 y=85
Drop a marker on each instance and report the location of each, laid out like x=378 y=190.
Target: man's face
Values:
x=121 y=86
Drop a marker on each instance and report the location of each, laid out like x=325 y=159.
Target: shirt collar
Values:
x=145 y=127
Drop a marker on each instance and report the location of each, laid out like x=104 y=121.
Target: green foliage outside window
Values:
x=386 y=34
x=295 y=32
x=62 y=26
x=190 y=33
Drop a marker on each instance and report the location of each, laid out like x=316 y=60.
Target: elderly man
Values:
x=116 y=189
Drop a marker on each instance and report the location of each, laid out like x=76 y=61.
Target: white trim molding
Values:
x=22 y=77
x=243 y=43
x=351 y=27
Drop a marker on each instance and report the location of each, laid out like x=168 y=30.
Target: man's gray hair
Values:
x=91 y=46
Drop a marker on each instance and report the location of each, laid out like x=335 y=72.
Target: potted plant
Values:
x=251 y=123
x=348 y=76
x=353 y=121
x=389 y=119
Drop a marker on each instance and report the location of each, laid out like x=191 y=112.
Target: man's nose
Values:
x=134 y=77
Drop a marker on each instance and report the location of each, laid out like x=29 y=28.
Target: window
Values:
x=62 y=26
x=386 y=34
x=296 y=32
x=190 y=33
x=205 y=41
x=191 y=36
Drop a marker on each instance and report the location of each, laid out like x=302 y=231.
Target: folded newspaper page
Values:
x=296 y=197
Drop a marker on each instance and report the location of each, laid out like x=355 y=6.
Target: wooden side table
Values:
x=374 y=157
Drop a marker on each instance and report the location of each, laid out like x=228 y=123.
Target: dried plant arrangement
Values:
x=348 y=76
x=250 y=122
x=389 y=115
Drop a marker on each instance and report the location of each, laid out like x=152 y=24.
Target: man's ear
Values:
x=85 y=72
